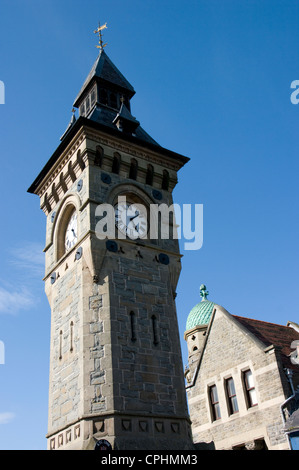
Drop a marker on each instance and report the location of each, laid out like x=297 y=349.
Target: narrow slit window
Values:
x=54 y=193
x=154 y=327
x=47 y=203
x=62 y=182
x=150 y=175
x=80 y=160
x=165 y=180
x=133 y=321
x=133 y=169
x=116 y=163
x=99 y=156
x=71 y=172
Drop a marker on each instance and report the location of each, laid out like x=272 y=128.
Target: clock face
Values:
x=71 y=235
x=131 y=219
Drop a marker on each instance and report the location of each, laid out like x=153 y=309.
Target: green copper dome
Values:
x=202 y=312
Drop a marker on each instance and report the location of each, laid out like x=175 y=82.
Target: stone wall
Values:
x=229 y=351
x=122 y=379
x=65 y=392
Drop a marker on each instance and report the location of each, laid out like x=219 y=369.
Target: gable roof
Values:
x=265 y=334
x=272 y=334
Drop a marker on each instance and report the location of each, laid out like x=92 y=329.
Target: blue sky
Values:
x=212 y=81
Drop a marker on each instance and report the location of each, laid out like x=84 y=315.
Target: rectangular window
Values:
x=250 y=389
x=231 y=396
x=215 y=407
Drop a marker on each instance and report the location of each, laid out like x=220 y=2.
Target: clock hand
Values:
x=134 y=217
x=129 y=219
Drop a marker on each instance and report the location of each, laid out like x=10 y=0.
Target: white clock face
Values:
x=71 y=235
x=131 y=219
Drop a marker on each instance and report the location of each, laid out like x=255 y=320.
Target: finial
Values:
x=203 y=292
x=99 y=32
x=73 y=119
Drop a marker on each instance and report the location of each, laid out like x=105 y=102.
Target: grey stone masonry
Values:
x=228 y=353
x=115 y=362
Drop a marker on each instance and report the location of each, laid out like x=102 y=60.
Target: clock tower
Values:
x=116 y=370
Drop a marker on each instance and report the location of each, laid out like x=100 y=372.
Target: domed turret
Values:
x=201 y=313
x=196 y=328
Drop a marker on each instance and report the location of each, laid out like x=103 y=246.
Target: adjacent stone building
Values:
x=239 y=380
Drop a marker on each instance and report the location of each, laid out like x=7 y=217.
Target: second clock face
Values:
x=131 y=220
x=71 y=236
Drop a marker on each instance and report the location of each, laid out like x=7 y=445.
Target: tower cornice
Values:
x=83 y=128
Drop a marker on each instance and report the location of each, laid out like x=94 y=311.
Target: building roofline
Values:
x=85 y=122
x=234 y=319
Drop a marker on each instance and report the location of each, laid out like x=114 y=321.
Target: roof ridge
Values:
x=260 y=321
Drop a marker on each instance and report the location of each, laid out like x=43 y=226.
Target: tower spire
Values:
x=99 y=32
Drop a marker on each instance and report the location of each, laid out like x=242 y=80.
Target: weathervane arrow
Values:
x=99 y=32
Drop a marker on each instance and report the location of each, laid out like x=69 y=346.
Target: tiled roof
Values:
x=106 y=116
x=273 y=334
x=200 y=314
x=104 y=69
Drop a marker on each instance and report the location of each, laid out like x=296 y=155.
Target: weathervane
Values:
x=99 y=32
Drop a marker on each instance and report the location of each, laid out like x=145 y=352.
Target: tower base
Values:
x=125 y=432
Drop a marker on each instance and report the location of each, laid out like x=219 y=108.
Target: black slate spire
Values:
x=108 y=77
x=105 y=99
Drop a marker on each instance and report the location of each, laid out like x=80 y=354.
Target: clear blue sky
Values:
x=212 y=81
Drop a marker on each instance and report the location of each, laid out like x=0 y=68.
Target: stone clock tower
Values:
x=116 y=371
